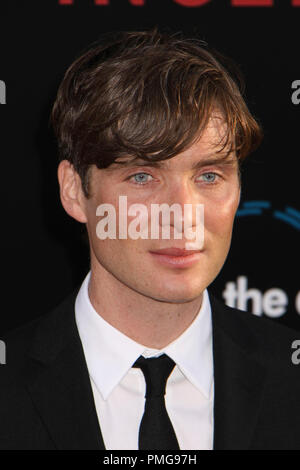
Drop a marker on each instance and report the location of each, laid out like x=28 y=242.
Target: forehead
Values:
x=215 y=132
x=210 y=147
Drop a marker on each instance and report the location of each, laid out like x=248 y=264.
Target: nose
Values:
x=183 y=197
x=183 y=213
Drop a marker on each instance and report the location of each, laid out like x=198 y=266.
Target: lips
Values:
x=175 y=252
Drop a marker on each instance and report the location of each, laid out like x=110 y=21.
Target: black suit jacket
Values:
x=46 y=400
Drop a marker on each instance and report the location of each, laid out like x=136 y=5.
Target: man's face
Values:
x=194 y=176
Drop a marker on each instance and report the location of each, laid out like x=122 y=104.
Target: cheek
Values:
x=219 y=215
x=101 y=197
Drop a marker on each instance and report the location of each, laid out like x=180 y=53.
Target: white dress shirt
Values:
x=119 y=389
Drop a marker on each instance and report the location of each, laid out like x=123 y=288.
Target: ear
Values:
x=71 y=194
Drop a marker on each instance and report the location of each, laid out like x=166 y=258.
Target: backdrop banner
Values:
x=43 y=253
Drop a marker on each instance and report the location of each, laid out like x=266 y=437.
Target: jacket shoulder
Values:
x=19 y=341
x=268 y=341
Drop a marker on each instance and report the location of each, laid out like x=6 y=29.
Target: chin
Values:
x=177 y=299
x=178 y=294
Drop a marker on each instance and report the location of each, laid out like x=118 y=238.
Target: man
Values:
x=150 y=120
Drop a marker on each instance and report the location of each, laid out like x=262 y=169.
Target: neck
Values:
x=153 y=323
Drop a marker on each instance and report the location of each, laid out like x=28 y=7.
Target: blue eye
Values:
x=141 y=178
x=209 y=177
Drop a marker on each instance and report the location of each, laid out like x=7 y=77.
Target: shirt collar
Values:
x=110 y=354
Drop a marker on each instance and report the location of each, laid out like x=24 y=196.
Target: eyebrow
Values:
x=220 y=161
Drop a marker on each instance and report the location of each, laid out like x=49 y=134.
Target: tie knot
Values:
x=156 y=371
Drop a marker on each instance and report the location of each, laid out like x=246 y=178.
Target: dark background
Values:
x=43 y=257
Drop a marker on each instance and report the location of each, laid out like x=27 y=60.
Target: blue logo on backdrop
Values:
x=290 y=215
x=273 y=302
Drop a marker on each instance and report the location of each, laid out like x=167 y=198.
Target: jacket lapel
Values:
x=59 y=383
x=238 y=380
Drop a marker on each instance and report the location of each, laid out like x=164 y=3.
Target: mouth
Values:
x=176 y=257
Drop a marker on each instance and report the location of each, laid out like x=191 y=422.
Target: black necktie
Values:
x=156 y=430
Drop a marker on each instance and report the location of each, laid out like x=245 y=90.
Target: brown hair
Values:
x=147 y=95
